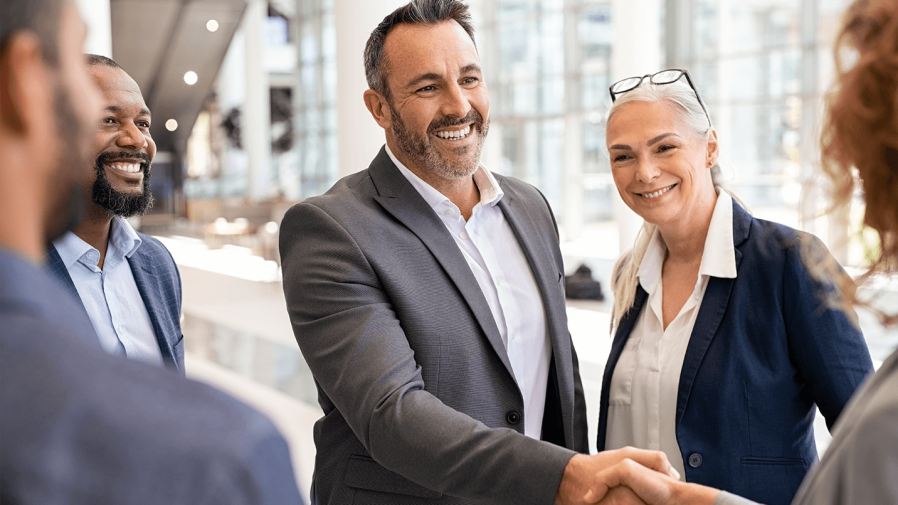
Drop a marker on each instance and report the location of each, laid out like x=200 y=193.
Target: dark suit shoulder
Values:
x=84 y=403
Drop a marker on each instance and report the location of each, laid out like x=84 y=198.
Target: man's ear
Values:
x=379 y=108
x=24 y=83
x=713 y=150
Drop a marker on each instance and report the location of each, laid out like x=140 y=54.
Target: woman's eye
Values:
x=621 y=157
x=664 y=148
x=109 y=120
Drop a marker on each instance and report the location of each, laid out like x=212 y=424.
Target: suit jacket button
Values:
x=513 y=417
x=695 y=460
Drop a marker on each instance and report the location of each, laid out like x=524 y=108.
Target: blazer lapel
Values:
x=398 y=197
x=710 y=314
x=548 y=279
x=57 y=269
x=617 y=348
x=141 y=268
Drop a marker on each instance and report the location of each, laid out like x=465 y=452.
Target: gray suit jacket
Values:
x=159 y=284
x=420 y=401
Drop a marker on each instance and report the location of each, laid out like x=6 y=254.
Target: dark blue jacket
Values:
x=763 y=351
x=78 y=425
x=159 y=283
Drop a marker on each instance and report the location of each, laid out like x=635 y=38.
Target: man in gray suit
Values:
x=426 y=295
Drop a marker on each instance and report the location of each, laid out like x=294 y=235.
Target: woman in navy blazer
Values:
x=765 y=346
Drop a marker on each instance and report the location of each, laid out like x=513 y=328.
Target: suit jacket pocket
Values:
x=363 y=472
x=756 y=460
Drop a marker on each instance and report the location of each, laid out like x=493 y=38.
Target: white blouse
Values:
x=642 y=405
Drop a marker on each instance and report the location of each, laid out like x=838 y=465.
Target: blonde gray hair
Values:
x=684 y=101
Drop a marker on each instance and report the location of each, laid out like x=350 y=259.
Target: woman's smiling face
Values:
x=661 y=168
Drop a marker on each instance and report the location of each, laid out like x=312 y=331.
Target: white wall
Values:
x=358 y=136
x=98 y=18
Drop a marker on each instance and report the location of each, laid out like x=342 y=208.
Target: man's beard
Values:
x=68 y=204
x=424 y=153
x=116 y=202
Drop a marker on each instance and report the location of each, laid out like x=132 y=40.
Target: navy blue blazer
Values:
x=80 y=426
x=763 y=351
x=159 y=283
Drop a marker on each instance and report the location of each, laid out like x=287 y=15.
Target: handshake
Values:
x=627 y=476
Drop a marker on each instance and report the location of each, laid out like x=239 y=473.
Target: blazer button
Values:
x=695 y=460
x=513 y=417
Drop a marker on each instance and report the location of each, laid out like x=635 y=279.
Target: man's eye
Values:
x=109 y=120
x=143 y=124
x=621 y=157
x=470 y=80
x=427 y=88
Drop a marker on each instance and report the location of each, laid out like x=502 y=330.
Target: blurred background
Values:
x=257 y=105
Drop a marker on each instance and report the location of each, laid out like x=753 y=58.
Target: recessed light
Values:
x=212 y=25
x=171 y=125
x=190 y=77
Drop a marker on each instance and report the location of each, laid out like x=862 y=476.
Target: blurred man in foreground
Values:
x=76 y=424
x=127 y=282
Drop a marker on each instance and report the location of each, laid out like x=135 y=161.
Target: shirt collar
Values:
x=490 y=192
x=123 y=240
x=718 y=256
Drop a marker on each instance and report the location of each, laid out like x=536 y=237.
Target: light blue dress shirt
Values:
x=110 y=295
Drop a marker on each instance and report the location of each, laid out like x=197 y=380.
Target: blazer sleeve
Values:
x=357 y=350
x=829 y=351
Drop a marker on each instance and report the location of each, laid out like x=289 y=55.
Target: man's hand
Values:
x=652 y=487
x=580 y=483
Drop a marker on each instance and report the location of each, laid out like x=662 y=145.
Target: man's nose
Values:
x=130 y=136
x=456 y=102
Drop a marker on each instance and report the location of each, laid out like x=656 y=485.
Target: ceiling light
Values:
x=171 y=125
x=190 y=77
x=212 y=25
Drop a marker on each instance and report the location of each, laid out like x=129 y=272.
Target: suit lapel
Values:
x=548 y=279
x=57 y=268
x=399 y=198
x=141 y=267
x=713 y=308
x=617 y=348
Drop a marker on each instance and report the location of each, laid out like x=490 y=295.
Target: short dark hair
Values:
x=42 y=17
x=94 y=60
x=416 y=12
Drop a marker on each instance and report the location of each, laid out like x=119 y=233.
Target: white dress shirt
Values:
x=642 y=404
x=110 y=295
x=503 y=273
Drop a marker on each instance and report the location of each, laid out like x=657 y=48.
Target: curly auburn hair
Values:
x=861 y=126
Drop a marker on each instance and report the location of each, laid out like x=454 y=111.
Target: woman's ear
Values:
x=713 y=150
x=379 y=108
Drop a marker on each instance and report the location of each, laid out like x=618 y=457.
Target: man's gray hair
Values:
x=416 y=12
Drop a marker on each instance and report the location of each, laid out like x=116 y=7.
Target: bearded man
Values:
x=128 y=282
x=426 y=296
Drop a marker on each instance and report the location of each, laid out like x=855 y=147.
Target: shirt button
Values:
x=450 y=212
x=498 y=281
x=463 y=236
x=695 y=460
x=513 y=417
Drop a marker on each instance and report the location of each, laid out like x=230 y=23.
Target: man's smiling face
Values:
x=439 y=104
x=119 y=180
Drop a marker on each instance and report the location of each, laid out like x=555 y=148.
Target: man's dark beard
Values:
x=68 y=204
x=425 y=155
x=118 y=203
